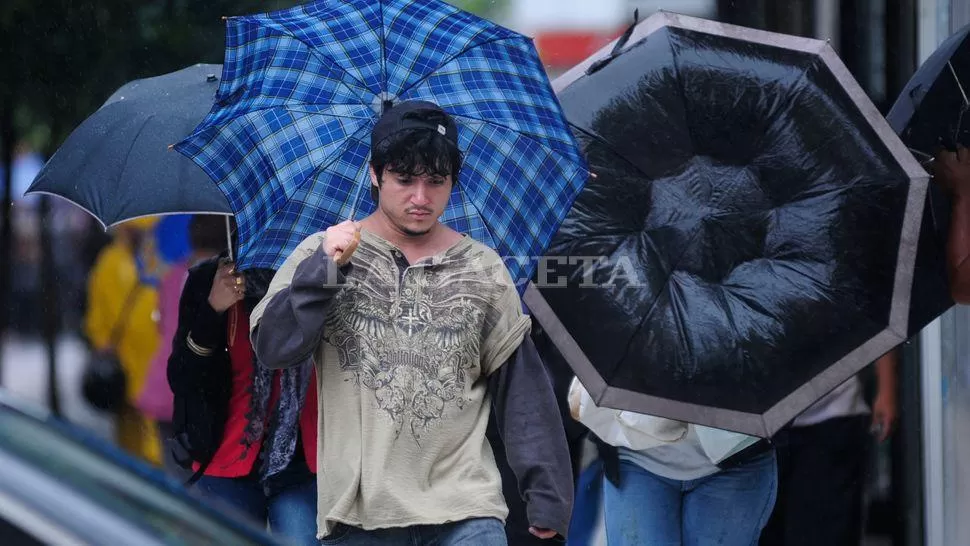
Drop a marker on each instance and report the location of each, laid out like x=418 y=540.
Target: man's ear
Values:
x=375 y=185
x=373 y=177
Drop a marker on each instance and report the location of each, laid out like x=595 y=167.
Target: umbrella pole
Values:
x=229 y=239
x=963 y=92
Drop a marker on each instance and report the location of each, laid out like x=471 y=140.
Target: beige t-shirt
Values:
x=401 y=371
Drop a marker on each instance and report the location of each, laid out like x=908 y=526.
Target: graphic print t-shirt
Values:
x=402 y=376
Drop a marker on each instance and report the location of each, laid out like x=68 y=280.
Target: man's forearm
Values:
x=530 y=424
x=886 y=372
x=291 y=326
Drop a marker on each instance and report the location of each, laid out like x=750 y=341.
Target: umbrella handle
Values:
x=343 y=256
x=229 y=239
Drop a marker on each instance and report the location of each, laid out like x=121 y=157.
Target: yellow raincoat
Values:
x=111 y=279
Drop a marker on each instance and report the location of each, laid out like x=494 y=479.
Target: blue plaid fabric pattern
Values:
x=288 y=138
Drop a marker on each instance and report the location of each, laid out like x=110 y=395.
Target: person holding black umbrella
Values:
x=247 y=432
x=671 y=482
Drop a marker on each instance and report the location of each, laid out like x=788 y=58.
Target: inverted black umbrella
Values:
x=747 y=243
x=931 y=113
x=117 y=164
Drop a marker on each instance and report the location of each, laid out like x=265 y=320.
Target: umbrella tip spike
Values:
x=171 y=146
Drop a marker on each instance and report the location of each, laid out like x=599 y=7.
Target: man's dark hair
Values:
x=415 y=152
x=207 y=232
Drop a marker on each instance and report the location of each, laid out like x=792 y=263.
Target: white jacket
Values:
x=640 y=432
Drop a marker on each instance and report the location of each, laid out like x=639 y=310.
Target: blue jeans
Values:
x=469 y=532
x=728 y=508
x=588 y=504
x=290 y=511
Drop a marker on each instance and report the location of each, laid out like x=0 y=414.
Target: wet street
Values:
x=24 y=375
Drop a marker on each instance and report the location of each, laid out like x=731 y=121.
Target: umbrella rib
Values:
x=296 y=109
x=337 y=156
x=131 y=145
x=452 y=58
x=488 y=229
x=326 y=60
x=533 y=137
x=925 y=155
x=383 y=39
x=656 y=300
x=605 y=145
x=966 y=102
x=530 y=135
x=729 y=313
x=285 y=107
x=683 y=97
x=319 y=169
x=653 y=306
x=683 y=328
x=75 y=203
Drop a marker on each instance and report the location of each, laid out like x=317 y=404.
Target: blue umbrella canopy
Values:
x=288 y=140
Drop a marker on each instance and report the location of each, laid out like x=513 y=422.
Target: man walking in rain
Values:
x=416 y=338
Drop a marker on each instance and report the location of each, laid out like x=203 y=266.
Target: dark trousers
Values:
x=821 y=479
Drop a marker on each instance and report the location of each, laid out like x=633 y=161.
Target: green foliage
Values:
x=63 y=58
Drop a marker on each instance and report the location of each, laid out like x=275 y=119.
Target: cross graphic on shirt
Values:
x=411 y=319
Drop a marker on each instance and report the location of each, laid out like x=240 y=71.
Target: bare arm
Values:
x=885 y=409
x=958 y=249
x=953 y=173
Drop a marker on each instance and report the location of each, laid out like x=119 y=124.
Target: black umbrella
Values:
x=117 y=164
x=932 y=113
x=747 y=243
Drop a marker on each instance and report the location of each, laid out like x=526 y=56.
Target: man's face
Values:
x=413 y=204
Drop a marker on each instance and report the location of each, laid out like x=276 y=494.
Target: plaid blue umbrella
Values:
x=288 y=139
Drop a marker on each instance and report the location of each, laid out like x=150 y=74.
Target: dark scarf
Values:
x=279 y=438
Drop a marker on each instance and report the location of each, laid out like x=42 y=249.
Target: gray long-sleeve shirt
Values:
x=397 y=368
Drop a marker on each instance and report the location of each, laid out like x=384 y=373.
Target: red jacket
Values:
x=232 y=459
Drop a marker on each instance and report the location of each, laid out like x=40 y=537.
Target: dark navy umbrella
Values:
x=933 y=112
x=118 y=165
x=747 y=243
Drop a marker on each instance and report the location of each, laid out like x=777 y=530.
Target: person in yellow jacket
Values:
x=112 y=278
